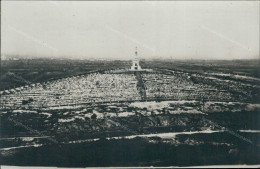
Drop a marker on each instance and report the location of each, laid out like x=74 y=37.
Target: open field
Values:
x=15 y=73
x=234 y=67
x=174 y=115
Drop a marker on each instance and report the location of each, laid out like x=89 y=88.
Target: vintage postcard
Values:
x=137 y=84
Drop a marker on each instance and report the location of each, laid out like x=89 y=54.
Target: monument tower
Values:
x=135 y=63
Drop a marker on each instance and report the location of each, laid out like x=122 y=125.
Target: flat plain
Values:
x=72 y=113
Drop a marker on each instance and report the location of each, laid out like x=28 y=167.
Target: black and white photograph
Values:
x=130 y=84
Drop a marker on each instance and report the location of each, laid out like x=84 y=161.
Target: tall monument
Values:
x=135 y=63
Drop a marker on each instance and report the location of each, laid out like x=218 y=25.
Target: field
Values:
x=72 y=113
x=15 y=73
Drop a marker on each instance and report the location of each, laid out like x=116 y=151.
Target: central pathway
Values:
x=140 y=85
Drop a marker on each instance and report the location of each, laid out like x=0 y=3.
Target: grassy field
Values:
x=241 y=67
x=15 y=73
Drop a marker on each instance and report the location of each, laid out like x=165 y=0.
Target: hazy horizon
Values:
x=111 y=30
x=17 y=57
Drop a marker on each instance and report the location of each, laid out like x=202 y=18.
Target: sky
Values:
x=113 y=29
